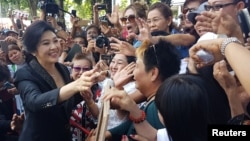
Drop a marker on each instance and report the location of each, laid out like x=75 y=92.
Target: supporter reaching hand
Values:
x=228 y=82
x=219 y=23
x=122 y=47
x=114 y=16
x=212 y=46
x=123 y=76
x=17 y=122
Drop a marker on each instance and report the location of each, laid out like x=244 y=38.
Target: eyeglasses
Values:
x=79 y=69
x=217 y=7
x=185 y=10
x=130 y=18
x=156 y=58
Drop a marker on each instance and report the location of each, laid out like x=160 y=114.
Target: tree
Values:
x=33 y=7
x=123 y=4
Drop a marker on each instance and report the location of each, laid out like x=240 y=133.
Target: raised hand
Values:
x=223 y=76
x=122 y=47
x=120 y=98
x=86 y=80
x=123 y=76
x=87 y=95
x=144 y=29
x=234 y=90
x=219 y=23
x=212 y=46
x=17 y=122
x=114 y=16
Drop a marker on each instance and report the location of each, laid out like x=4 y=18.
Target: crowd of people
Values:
x=53 y=83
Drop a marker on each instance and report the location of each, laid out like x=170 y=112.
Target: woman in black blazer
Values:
x=45 y=87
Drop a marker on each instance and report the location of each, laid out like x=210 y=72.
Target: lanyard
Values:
x=13 y=67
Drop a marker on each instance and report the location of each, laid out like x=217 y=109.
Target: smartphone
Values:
x=75 y=49
x=8 y=85
x=244 y=20
x=73 y=12
x=102 y=7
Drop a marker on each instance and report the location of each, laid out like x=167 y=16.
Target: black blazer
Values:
x=45 y=118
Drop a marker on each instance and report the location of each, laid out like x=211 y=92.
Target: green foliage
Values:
x=154 y=1
x=123 y=5
x=79 y=2
x=84 y=10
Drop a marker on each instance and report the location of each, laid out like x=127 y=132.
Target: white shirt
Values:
x=162 y=135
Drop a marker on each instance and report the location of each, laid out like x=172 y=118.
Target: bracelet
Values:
x=226 y=42
x=140 y=119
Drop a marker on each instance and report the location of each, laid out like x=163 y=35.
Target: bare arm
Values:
x=93 y=108
x=236 y=54
x=143 y=127
x=238 y=57
x=179 y=39
x=80 y=85
x=95 y=15
x=233 y=90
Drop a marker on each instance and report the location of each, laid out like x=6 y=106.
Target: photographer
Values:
x=49 y=13
x=93 y=38
x=109 y=23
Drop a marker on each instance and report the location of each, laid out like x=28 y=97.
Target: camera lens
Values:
x=100 y=42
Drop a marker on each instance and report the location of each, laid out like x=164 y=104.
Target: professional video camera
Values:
x=50 y=7
x=102 y=41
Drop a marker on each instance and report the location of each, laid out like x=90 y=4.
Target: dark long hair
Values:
x=32 y=37
x=183 y=104
x=34 y=33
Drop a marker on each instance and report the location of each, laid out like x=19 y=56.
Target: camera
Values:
x=49 y=6
x=244 y=20
x=73 y=12
x=102 y=41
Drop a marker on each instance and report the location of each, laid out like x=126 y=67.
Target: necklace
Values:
x=150 y=98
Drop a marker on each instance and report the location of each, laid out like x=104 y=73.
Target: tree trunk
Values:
x=61 y=14
x=18 y=5
x=33 y=7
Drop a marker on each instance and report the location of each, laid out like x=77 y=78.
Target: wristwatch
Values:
x=226 y=42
